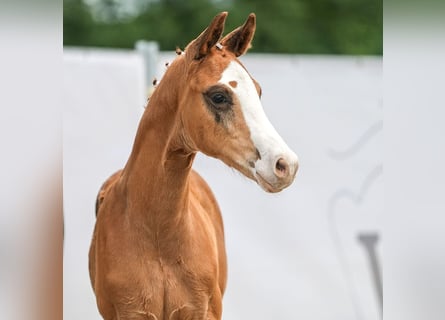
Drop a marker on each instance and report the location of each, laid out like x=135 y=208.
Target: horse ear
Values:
x=201 y=46
x=239 y=40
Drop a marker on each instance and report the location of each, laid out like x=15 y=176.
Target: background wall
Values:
x=300 y=254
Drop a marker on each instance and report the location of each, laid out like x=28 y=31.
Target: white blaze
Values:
x=264 y=136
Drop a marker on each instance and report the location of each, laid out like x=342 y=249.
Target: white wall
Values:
x=293 y=255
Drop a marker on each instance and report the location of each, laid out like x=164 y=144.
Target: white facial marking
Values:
x=264 y=136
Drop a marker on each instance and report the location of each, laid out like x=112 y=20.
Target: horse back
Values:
x=106 y=186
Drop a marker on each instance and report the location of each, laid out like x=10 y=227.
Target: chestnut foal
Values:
x=158 y=245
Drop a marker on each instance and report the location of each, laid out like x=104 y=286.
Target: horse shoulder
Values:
x=202 y=193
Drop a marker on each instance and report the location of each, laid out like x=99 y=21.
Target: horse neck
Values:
x=156 y=175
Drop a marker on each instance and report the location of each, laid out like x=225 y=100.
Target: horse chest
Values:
x=165 y=292
x=171 y=284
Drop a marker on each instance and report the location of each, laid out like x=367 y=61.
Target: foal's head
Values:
x=221 y=111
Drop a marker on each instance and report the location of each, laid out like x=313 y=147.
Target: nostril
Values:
x=281 y=168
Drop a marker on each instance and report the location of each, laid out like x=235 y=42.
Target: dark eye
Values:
x=218 y=98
